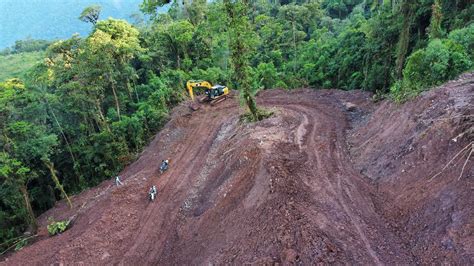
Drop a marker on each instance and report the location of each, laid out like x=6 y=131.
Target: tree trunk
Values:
x=117 y=103
x=136 y=94
x=435 y=30
x=404 y=40
x=252 y=105
x=102 y=119
x=238 y=21
x=68 y=145
x=178 y=60
x=56 y=181
x=64 y=135
x=294 y=48
x=31 y=214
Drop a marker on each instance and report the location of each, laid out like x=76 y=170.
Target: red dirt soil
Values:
x=331 y=178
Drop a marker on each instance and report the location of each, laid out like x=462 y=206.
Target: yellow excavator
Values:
x=214 y=94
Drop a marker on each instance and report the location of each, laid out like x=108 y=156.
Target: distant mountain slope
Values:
x=15 y=65
x=54 y=19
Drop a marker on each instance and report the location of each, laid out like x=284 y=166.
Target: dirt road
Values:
x=327 y=179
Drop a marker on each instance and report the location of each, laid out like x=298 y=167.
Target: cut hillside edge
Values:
x=404 y=149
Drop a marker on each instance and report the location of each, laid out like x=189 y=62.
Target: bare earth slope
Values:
x=331 y=177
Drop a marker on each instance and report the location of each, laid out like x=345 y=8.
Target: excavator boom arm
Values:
x=196 y=84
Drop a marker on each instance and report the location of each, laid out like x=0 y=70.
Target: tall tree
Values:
x=407 y=12
x=239 y=34
x=296 y=17
x=91 y=14
x=14 y=174
x=112 y=44
x=150 y=6
x=196 y=11
x=435 y=30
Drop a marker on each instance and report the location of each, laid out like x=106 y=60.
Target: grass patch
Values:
x=16 y=65
x=261 y=114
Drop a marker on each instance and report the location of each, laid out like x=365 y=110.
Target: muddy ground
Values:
x=332 y=177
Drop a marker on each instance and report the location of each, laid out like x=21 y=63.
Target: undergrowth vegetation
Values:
x=440 y=61
x=57 y=227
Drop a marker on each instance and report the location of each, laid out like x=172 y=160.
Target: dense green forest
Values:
x=80 y=115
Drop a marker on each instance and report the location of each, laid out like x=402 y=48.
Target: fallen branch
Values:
x=469 y=146
x=465 y=163
x=229 y=150
x=10 y=240
x=16 y=242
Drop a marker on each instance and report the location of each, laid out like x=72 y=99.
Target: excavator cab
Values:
x=216 y=91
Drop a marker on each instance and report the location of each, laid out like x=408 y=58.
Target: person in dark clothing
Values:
x=164 y=165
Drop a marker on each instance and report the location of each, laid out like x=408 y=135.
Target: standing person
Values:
x=152 y=193
x=117 y=181
x=164 y=165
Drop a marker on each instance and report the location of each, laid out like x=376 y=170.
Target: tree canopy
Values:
x=91 y=14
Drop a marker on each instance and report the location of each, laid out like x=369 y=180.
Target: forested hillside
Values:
x=55 y=19
x=86 y=110
x=16 y=65
x=15 y=61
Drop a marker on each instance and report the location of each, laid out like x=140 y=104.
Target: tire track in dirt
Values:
x=315 y=156
x=184 y=167
x=335 y=156
x=355 y=222
x=183 y=148
x=301 y=131
x=307 y=141
x=155 y=211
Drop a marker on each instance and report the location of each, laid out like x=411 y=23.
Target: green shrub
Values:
x=55 y=228
x=267 y=75
x=261 y=114
x=281 y=85
x=465 y=38
x=214 y=75
x=21 y=244
x=441 y=61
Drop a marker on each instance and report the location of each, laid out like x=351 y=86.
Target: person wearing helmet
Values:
x=164 y=165
x=152 y=193
x=117 y=181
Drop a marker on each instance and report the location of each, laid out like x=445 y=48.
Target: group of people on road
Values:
x=153 y=191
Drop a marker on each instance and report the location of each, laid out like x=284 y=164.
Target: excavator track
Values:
x=218 y=100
